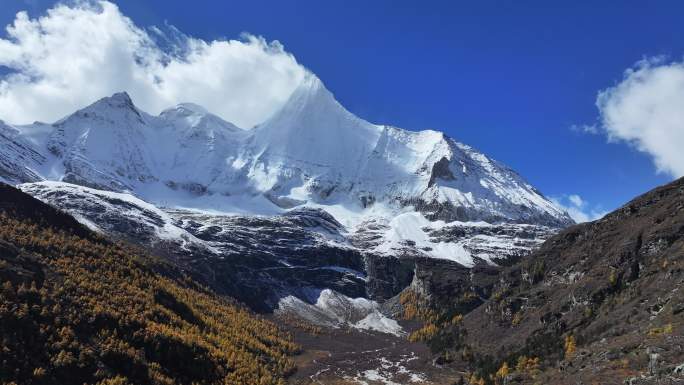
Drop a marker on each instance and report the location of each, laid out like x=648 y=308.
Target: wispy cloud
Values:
x=585 y=128
x=76 y=54
x=578 y=209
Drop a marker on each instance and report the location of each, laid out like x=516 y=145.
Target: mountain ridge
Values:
x=311 y=151
x=249 y=212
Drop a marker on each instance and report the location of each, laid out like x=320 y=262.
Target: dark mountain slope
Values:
x=600 y=302
x=76 y=308
x=23 y=207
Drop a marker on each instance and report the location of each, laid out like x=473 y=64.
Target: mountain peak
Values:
x=121 y=96
x=312 y=99
x=192 y=107
x=312 y=84
x=185 y=109
x=196 y=118
x=119 y=101
x=313 y=116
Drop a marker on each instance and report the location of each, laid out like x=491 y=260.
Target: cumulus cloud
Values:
x=646 y=110
x=76 y=54
x=578 y=209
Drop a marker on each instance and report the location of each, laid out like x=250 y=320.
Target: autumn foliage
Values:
x=78 y=309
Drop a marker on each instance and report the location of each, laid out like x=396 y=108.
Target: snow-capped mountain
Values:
x=312 y=151
x=314 y=192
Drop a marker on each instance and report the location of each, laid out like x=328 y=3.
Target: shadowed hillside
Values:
x=76 y=308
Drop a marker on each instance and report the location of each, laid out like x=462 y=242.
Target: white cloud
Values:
x=578 y=208
x=646 y=110
x=576 y=200
x=77 y=54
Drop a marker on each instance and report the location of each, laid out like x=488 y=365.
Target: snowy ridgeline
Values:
x=375 y=230
x=311 y=152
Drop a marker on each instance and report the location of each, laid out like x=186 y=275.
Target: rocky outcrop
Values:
x=440 y=170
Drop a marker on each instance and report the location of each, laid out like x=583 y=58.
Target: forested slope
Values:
x=77 y=308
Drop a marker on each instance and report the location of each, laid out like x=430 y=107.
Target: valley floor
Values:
x=350 y=356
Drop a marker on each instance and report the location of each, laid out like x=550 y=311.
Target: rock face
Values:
x=614 y=286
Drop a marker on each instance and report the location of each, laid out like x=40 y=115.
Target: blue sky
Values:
x=509 y=78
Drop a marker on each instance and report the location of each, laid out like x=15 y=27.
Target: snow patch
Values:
x=378 y=322
x=332 y=309
x=409 y=228
x=388 y=371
